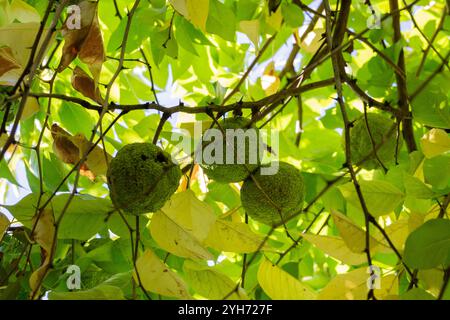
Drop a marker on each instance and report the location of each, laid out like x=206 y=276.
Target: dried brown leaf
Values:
x=86 y=42
x=84 y=84
x=7 y=61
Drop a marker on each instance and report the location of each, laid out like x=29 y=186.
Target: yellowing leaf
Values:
x=157 y=277
x=233 y=237
x=210 y=283
x=97 y=159
x=45 y=229
x=36 y=279
x=182 y=225
x=43 y=234
x=198 y=12
x=354 y=236
x=312 y=41
x=270 y=82
x=181 y=7
x=30 y=108
x=63 y=146
x=435 y=142
x=399 y=230
x=23 y=12
x=275 y=19
x=431 y=280
x=251 y=29
x=70 y=149
x=19 y=37
x=279 y=285
x=381 y=197
x=353 y=285
x=4 y=224
x=336 y=248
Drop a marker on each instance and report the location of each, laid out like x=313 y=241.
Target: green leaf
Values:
x=417 y=294
x=429 y=245
x=162 y=44
x=292 y=14
x=5 y=173
x=4 y=224
x=83 y=218
x=210 y=283
x=221 y=20
x=101 y=292
x=280 y=285
x=431 y=107
x=437 y=171
x=381 y=197
x=416 y=188
x=187 y=35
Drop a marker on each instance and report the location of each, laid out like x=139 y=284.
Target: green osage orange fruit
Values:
x=384 y=136
x=273 y=198
x=231 y=151
x=141 y=178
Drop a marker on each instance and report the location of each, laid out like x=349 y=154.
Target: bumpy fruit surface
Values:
x=361 y=145
x=273 y=196
x=141 y=178
x=245 y=155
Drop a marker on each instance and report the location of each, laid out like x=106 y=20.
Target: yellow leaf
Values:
x=398 y=231
x=43 y=234
x=182 y=225
x=212 y=284
x=353 y=285
x=275 y=19
x=97 y=160
x=354 y=236
x=435 y=142
x=279 y=285
x=30 y=108
x=20 y=37
x=336 y=248
x=233 y=237
x=157 y=277
x=36 y=279
x=431 y=280
x=45 y=229
x=4 y=224
x=270 y=82
x=181 y=7
x=198 y=12
x=251 y=29
x=23 y=12
x=313 y=40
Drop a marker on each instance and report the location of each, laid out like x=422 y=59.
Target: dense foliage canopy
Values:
x=79 y=80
